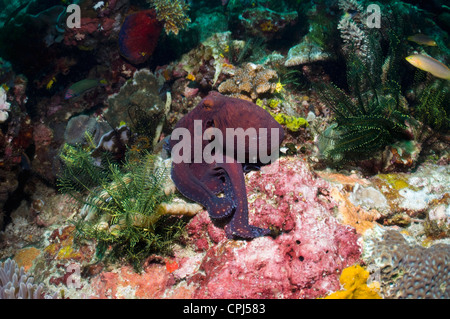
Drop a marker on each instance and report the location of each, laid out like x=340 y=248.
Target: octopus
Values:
x=219 y=184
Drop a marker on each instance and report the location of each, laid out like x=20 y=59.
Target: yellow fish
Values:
x=50 y=83
x=422 y=39
x=279 y=87
x=428 y=64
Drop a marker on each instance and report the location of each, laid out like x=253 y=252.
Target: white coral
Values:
x=98 y=5
x=4 y=106
x=352 y=28
x=353 y=35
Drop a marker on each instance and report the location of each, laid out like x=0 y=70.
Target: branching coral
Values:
x=208 y=61
x=172 y=13
x=353 y=30
x=250 y=82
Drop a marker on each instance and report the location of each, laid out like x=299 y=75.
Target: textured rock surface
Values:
x=407 y=270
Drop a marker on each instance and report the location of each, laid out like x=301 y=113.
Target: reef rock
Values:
x=303 y=262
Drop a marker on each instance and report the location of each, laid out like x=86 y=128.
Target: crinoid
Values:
x=123 y=208
x=368 y=118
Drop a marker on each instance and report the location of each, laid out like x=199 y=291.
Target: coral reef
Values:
x=138 y=105
x=301 y=262
x=357 y=205
x=353 y=215
x=199 y=70
x=87 y=36
x=250 y=82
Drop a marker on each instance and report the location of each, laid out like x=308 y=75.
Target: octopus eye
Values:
x=208 y=103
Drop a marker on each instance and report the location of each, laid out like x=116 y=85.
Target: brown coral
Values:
x=172 y=13
x=408 y=271
x=250 y=82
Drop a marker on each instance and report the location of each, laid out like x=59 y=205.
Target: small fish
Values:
x=422 y=39
x=429 y=64
x=50 y=83
x=350 y=13
x=81 y=87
